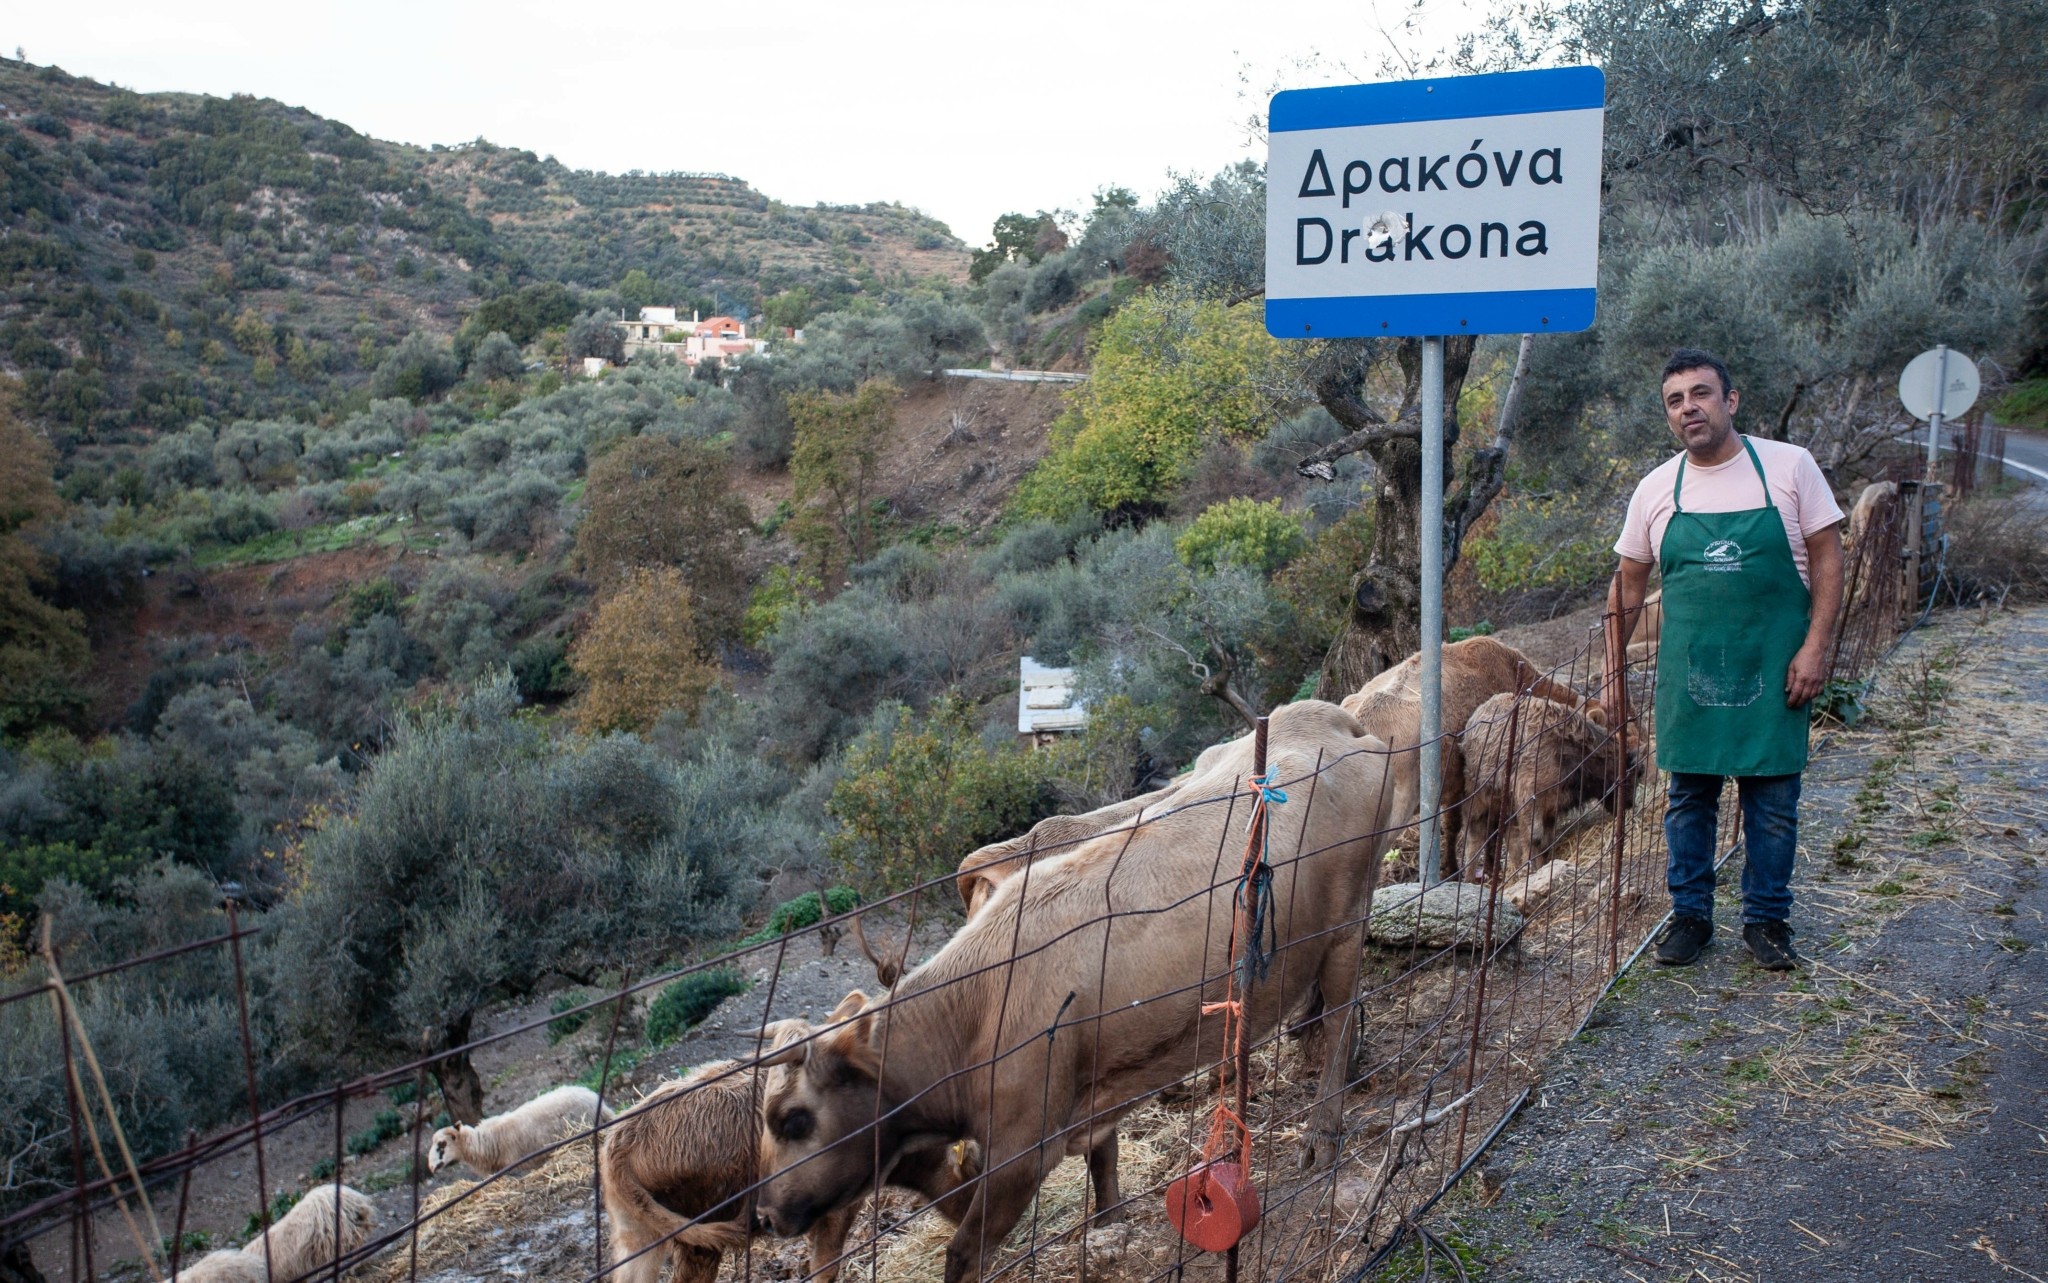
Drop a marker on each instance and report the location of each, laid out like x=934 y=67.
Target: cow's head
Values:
x=821 y=1120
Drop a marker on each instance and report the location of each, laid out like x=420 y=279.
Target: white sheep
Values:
x=500 y=1141
x=301 y=1241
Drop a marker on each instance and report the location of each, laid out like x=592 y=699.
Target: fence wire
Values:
x=1057 y=1066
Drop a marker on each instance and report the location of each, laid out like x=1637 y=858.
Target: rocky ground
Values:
x=1880 y=1114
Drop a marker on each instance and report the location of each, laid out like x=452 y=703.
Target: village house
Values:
x=658 y=330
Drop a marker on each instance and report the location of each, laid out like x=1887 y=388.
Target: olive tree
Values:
x=481 y=855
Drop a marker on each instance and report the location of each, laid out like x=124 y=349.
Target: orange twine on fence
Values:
x=1211 y=1223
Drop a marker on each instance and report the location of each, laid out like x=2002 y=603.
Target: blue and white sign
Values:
x=1468 y=205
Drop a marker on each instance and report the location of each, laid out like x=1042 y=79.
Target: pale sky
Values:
x=963 y=110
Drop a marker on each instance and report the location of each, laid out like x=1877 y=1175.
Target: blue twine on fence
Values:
x=1255 y=889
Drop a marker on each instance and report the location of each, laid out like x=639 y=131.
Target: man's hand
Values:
x=1807 y=674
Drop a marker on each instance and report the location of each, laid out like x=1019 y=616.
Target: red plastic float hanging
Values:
x=1214 y=1206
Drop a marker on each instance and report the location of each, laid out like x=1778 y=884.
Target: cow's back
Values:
x=1127 y=935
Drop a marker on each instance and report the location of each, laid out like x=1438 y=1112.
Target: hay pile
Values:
x=539 y=1225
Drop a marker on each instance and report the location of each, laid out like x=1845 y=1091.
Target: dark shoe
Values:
x=1771 y=943
x=1683 y=940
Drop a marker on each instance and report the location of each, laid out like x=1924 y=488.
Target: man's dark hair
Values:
x=1693 y=358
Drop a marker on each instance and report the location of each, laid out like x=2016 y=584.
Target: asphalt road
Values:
x=2026 y=455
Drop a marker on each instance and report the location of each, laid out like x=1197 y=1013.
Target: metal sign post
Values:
x=1424 y=208
x=1429 y=857
x=1940 y=396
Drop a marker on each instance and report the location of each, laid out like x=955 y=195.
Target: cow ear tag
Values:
x=1214 y=1206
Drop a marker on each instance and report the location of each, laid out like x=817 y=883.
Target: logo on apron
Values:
x=1722 y=555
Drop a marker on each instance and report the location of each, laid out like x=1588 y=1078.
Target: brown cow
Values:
x=983 y=870
x=1078 y=991
x=1474 y=670
x=677 y=1169
x=1562 y=760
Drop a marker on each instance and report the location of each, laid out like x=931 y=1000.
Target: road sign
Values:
x=1467 y=205
x=1939 y=381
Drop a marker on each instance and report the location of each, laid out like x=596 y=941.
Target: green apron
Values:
x=1735 y=613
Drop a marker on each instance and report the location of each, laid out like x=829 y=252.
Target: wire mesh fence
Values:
x=1140 y=1026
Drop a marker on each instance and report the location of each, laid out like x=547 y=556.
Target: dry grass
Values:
x=459 y=1237
x=1998 y=548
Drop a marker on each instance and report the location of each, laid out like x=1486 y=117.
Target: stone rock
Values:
x=1106 y=1246
x=1449 y=913
x=1554 y=876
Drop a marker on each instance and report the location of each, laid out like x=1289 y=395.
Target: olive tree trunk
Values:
x=462 y=1090
x=1383 y=625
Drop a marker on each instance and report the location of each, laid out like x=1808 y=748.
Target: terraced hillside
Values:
x=165 y=257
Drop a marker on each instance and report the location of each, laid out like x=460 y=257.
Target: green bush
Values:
x=782 y=590
x=385 y=1126
x=914 y=797
x=2026 y=406
x=795 y=915
x=566 y=1020
x=1546 y=543
x=281 y=1202
x=684 y=1003
x=1168 y=378
x=1244 y=532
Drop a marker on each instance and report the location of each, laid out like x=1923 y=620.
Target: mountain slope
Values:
x=165 y=257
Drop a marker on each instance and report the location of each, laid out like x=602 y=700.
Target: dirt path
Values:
x=1880 y=1115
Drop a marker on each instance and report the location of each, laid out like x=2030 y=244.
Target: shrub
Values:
x=782 y=591
x=2026 y=405
x=1244 y=532
x=795 y=915
x=1542 y=543
x=418 y=369
x=497 y=357
x=566 y=1019
x=281 y=1202
x=165 y=1035
x=684 y=1003
x=540 y=668
x=660 y=501
x=916 y=796
x=386 y=1126
x=1168 y=377
x=1998 y=548
x=640 y=656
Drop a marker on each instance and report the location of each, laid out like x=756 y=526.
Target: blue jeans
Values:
x=1770 y=838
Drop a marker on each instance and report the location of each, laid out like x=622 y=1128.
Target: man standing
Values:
x=1746 y=536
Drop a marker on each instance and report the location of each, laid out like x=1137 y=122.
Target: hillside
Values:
x=171 y=256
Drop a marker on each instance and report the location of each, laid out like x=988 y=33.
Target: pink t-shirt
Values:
x=1805 y=502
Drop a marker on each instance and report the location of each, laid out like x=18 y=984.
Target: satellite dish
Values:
x=1927 y=388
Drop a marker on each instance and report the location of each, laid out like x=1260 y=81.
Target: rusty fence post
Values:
x=82 y=1217
x=1496 y=871
x=231 y=894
